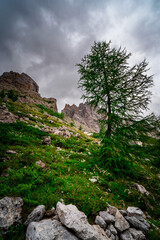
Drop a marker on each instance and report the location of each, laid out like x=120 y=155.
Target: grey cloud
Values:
x=47 y=38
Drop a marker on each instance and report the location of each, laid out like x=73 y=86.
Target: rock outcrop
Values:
x=83 y=115
x=27 y=89
x=21 y=82
x=70 y=223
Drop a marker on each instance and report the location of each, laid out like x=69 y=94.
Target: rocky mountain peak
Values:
x=21 y=82
x=83 y=115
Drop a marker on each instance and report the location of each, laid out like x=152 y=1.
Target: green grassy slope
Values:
x=69 y=166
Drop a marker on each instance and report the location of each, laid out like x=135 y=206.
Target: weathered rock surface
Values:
x=20 y=81
x=107 y=217
x=138 y=235
x=48 y=230
x=100 y=221
x=83 y=115
x=27 y=88
x=120 y=222
x=75 y=220
x=134 y=211
x=126 y=235
x=141 y=189
x=36 y=215
x=112 y=229
x=10 y=212
x=6 y=116
x=138 y=222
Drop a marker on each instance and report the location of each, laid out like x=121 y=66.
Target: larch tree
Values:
x=108 y=82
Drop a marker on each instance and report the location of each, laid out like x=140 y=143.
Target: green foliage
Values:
x=80 y=128
x=72 y=124
x=2 y=94
x=50 y=111
x=12 y=95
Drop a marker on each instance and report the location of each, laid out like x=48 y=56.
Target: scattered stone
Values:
x=126 y=235
x=10 y=212
x=36 y=215
x=100 y=221
x=112 y=229
x=138 y=235
x=93 y=180
x=6 y=116
x=46 y=140
x=141 y=189
x=106 y=216
x=41 y=164
x=75 y=220
x=48 y=230
x=78 y=135
x=138 y=222
x=120 y=222
x=11 y=152
x=134 y=211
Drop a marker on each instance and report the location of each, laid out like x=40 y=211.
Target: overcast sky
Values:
x=46 y=38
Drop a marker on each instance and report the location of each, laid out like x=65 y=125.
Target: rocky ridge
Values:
x=83 y=115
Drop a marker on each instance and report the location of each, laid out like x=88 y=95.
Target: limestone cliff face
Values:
x=27 y=88
x=22 y=81
x=83 y=115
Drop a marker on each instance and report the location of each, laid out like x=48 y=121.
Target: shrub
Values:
x=12 y=95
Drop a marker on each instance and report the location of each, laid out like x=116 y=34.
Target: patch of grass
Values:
x=43 y=109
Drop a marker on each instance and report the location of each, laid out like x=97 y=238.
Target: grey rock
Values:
x=108 y=232
x=112 y=229
x=101 y=233
x=134 y=211
x=100 y=221
x=112 y=210
x=137 y=234
x=126 y=235
x=36 y=215
x=75 y=220
x=10 y=212
x=11 y=152
x=41 y=164
x=138 y=222
x=46 y=140
x=141 y=189
x=106 y=216
x=112 y=237
x=48 y=230
x=123 y=212
x=120 y=222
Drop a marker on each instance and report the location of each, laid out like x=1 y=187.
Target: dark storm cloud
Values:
x=47 y=38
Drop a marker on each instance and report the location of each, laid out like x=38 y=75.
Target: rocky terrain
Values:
x=26 y=89
x=83 y=115
x=53 y=184
x=66 y=222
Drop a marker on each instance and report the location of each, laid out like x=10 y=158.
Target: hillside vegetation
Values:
x=71 y=164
